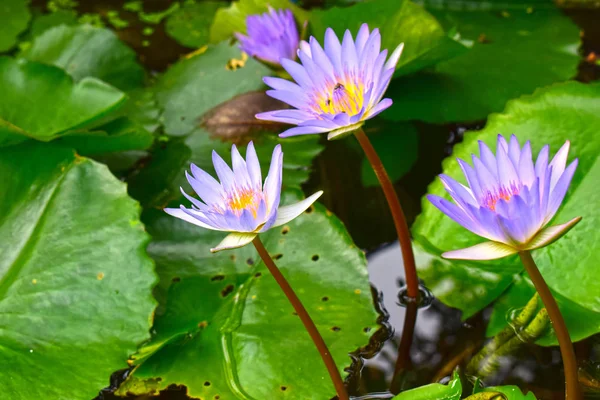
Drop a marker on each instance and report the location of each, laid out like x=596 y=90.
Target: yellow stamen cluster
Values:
x=244 y=199
x=342 y=98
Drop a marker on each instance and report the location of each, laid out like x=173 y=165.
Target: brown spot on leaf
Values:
x=227 y=290
x=234 y=120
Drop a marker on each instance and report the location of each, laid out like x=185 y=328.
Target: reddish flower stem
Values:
x=403 y=362
x=408 y=258
x=572 y=390
x=310 y=326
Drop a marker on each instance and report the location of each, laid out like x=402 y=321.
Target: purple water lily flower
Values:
x=510 y=200
x=271 y=36
x=337 y=87
x=240 y=203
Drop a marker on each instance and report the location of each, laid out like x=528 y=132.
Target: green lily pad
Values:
x=15 y=16
x=75 y=280
x=514 y=53
x=510 y=392
x=233 y=18
x=121 y=134
x=85 y=51
x=190 y=25
x=42 y=22
x=47 y=104
x=437 y=391
x=240 y=338
x=550 y=116
x=196 y=84
x=159 y=183
x=425 y=41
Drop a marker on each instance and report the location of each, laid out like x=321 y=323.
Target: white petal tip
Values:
x=287 y=213
x=345 y=131
x=234 y=240
x=482 y=251
x=551 y=234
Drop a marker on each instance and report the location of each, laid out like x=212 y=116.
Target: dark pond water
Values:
x=441 y=340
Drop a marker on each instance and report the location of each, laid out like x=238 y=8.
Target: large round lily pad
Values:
x=550 y=116
x=46 y=103
x=86 y=51
x=225 y=329
x=425 y=40
x=203 y=80
x=515 y=51
x=75 y=279
x=15 y=16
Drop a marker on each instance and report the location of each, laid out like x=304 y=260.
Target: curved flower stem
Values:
x=408 y=258
x=562 y=334
x=312 y=330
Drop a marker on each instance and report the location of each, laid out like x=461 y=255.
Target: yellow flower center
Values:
x=245 y=199
x=342 y=98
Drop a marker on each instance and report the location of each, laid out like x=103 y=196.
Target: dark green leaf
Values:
x=75 y=280
x=159 y=182
x=437 y=391
x=515 y=53
x=224 y=328
x=397 y=146
x=425 y=42
x=15 y=16
x=122 y=134
x=41 y=23
x=550 y=116
x=46 y=103
x=190 y=25
x=194 y=85
x=85 y=51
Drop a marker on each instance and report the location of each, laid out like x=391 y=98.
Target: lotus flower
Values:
x=337 y=87
x=271 y=36
x=240 y=203
x=510 y=200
